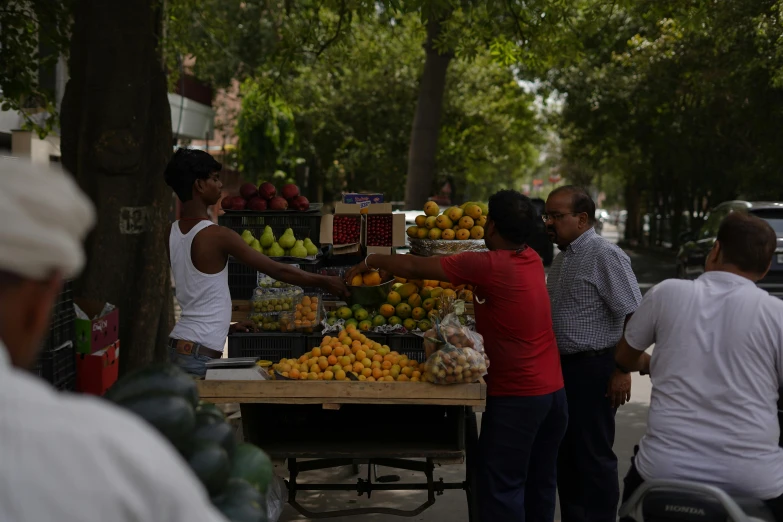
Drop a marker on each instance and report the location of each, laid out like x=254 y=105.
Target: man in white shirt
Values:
x=716 y=370
x=63 y=457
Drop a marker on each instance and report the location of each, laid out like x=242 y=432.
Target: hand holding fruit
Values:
x=242 y=327
x=335 y=286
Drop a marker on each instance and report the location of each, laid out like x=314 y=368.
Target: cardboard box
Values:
x=398 y=229
x=327 y=228
x=97 y=372
x=95 y=334
x=361 y=198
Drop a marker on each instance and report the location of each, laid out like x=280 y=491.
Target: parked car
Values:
x=697 y=245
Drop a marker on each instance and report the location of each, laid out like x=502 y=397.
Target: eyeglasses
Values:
x=557 y=217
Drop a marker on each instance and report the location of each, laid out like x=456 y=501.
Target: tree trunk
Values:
x=116 y=140
x=426 y=122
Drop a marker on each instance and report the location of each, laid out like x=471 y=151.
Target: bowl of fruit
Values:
x=370 y=288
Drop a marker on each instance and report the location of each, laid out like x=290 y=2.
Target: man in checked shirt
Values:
x=593 y=293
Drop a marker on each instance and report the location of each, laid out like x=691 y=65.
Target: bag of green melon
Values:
x=235 y=476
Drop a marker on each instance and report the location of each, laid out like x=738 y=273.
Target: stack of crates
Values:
x=57 y=362
x=242 y=280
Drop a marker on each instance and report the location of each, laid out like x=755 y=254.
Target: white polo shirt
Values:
x=716 y=370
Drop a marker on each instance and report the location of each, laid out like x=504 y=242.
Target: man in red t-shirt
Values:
x=526 y=413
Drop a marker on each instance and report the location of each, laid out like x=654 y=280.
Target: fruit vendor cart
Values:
x=413 y=426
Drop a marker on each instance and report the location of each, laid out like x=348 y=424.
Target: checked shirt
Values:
x=592 y=288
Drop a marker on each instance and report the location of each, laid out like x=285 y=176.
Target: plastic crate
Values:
x=379 y=338
x=304 y=224
x=268 y=346
x=410 y=345
x=242 y=279
x=63 y=308
x=61 y=330
x=58 y=366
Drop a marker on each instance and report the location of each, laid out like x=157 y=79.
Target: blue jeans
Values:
x=195 y=365
x=518 y=449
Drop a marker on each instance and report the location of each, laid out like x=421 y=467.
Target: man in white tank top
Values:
x=199 y=251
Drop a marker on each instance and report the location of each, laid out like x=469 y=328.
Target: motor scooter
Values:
x=677 y=500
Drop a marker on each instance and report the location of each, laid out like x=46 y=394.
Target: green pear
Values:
x=299 y=249
x=287 y=240
x=276 y=250
x=268 y=237
x=255 y=245
x=312 y=250
x=247 y=236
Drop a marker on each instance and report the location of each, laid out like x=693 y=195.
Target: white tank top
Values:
x=204 y=298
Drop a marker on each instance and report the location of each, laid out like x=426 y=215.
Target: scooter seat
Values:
x=690 y=506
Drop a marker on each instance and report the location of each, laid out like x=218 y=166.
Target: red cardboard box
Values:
x=97 y=372
x=95 y=334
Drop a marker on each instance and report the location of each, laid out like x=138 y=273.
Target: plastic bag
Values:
x=455 y=354
x=276 y=493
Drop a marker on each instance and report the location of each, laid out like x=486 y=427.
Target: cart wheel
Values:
x=471 y=457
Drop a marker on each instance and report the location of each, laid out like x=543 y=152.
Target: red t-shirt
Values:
x=514 y=317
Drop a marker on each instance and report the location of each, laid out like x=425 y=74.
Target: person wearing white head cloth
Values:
x=64 y=457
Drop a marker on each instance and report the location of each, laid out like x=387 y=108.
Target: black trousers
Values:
x=587 y=466
x=633 y=480
x=518 y=465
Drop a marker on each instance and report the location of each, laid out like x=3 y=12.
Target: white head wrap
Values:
x=44 y=217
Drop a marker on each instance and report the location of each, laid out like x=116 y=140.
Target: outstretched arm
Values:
x=405 y=266
x=233 y=244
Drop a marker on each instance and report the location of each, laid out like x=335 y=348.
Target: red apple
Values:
x=290 y=191
x=248 y=191
x=257 y=203
x=226 y=202
x=238 y=203
x=300 y=203
x=278 y=203
x=267 y=191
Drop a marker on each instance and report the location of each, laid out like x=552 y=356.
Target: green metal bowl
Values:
x=370 y=295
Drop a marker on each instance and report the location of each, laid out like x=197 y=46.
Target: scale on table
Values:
x=237 y=369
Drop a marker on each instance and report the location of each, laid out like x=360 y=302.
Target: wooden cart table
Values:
x=410 y=426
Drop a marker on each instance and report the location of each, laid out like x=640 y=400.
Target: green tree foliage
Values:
x=680 y=99
x=354 y=109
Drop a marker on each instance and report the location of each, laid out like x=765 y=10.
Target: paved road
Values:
x=631 y=423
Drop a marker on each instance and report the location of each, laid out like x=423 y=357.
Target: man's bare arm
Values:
x=631 y=359
x=407 y=267
x=233 y=244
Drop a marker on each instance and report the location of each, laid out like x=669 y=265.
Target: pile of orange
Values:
x=350 y=352
x=306 y=314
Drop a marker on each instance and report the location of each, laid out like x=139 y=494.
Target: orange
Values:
x=344 y=360
x=415 y=379
x=377 y=357
x=388 y=378
x=326 y=340
x=413 y=364
x=358 y=367
x=315 y=368
x=339 y=375
x=312 y=376
x=371 y=278
x=407 y=371
x=306 y=301
x=415 y=375
x=294 y=374
x=361 y=355
x=339 y=351
x=366 y=362
x=326 y=350
x=323 y=364
x=304 y=376
x=316 y=352
x=332 y=360
x=387 y=310
x=355 y=334
x=377 y=373
x=395 y=359
x=328 y=376
x=311 y=316
x=370 y=353
x=348 y=368
x=346 y=341
x=352 y=358
x=401 y=378
x=356 y=345
x=386 y=365
x=376 y=364
x=386 y=372
x=303 y=359
x=356 y=280
x=362 y=378
x=367 y=372
x=370 y=379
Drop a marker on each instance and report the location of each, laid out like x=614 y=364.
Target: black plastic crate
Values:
x=61 y=330
x=379 y=338
x=58 y=366
x=304 y=224
x=268 y=346
x=63 y=308
x=410 y=345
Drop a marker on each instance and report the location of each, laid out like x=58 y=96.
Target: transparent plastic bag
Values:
x=455 y=354
x=276 y=493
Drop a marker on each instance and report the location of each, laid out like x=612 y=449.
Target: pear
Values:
x=287 y=240
x=312 y=250
x=247 y=236
x=276 y=250
x=268 y=237
x=255 y=245
x=299 y=249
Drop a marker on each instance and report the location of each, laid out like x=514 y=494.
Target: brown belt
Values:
x=191 y=348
